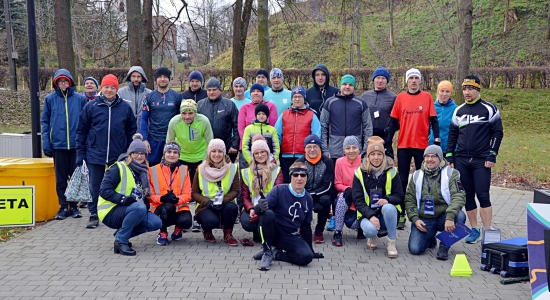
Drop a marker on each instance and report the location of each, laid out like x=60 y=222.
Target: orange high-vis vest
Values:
x=161 y=180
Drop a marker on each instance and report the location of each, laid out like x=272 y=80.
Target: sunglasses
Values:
x=299 y=174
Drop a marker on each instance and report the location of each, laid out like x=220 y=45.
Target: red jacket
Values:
x=164 y=178
x=297 y=126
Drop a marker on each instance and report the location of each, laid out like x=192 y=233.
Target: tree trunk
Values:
x=465 y=46
x=64 y=35
x=263 y=34
x=548 y=27
x=147 y=46
x=241 y=18
x=392 y=37
x=134 y=32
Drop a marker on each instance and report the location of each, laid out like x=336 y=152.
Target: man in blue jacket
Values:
x=104 y=132
x=59 y=121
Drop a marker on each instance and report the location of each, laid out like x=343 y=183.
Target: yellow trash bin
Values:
x=33 y=171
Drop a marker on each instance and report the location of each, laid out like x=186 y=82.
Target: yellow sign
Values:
x=16 y=206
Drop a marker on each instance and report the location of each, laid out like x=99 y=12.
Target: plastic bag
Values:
x=78 y=189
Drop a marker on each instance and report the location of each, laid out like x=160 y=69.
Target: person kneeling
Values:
x=285 y=222
x=434 y=202
x=377 y=193
x=257 y=181
x=215 y=187
x=123 y=198
x=170 y=193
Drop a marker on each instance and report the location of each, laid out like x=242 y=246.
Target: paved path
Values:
x=64 y=260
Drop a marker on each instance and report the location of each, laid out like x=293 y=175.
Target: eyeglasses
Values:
x=138 y=154
x=299 y=174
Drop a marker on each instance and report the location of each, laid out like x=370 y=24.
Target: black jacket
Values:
x=381 y=102
x=223 y=115
x=196 y=95
x=396 y=197
x=320 y=176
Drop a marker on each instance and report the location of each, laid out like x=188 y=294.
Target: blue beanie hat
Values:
x=92 y=79
x=195 y=75
x=313 y=139
x=262 y=71
x=257 y=86
x=381 y=71
x=298 y=90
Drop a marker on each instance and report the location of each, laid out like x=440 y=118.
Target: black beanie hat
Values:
x=263 y=72
x=261 y=108
x=163 y=71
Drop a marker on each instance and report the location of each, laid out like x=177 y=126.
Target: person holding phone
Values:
x=433 y=202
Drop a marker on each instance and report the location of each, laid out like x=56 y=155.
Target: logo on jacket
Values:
x=469 y=119
x=293 y=210
x=219 y=111
x=285 y=101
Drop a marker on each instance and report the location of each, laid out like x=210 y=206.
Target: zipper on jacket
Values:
x=67 y=121
x=294 y=142
x=108 y=136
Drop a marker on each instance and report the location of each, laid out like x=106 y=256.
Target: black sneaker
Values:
x=337 y=239
x=443 y=252
x=196 y=227
x=93 y=222
x=75 y=213
x=433 y=243
x=62 y=214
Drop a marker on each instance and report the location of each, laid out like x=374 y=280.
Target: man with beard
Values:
x=135 y=92
x=159 y=107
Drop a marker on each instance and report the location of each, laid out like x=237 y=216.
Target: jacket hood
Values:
x=324 y=69
x=138 y=69
x=62 y=72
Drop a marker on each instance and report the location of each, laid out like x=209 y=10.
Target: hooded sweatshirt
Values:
x=316 y=95
x=135 y=96
x=444 y=117
x=60 y=116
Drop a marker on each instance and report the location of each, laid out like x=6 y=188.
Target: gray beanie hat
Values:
x=213 y=83
x=137 y=144
x=351 y=140
x=434 y=149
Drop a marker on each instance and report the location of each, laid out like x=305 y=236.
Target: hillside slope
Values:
x=426 y=35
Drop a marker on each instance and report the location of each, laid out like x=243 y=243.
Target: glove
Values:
x=147 y=204
x=317 y=207
x=79 y=161
x=318 y=255
x=348 y=196
x=262 y=206
x=450 y=159
x=128 y=200
x=170 y=197
x=48 y=153
x=212 y=206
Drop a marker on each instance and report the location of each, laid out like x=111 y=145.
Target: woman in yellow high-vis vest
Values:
x=377 y=193
x=123 y=198
x=215 y=188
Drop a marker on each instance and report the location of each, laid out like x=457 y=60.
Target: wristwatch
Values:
x=437 y=140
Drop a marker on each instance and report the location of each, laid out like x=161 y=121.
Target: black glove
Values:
x=128 y=200
x=79 y=161
x=318 y=255
x=348 y=196
x=212 y=206
x=170 y=197
x=147 y=204
x=450 y=159
x=48 y=153
x=262 y=206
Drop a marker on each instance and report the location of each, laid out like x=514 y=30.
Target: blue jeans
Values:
x=419 y=241
x=389 y=216
x=96 y=173
x=131 y=221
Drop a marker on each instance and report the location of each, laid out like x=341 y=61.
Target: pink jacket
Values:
x=246 y=115
x=343 y=172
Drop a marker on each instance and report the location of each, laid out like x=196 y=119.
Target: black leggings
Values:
x=476 y=180
x=322 y=215
x=211 y=218
x=191 y=167
x=286 y=162
x=404 y=156
x=295 y=249
x=181 y=219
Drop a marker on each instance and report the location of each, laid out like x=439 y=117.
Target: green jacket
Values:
x=193 y=138
x=458 y=197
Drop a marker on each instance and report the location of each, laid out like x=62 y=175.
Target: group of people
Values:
x=152 y=153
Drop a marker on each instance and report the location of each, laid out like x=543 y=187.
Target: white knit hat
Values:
x=411 y=72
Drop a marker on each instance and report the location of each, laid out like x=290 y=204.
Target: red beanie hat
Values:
x=109 y=79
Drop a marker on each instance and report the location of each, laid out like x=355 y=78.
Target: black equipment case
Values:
x=507 y=258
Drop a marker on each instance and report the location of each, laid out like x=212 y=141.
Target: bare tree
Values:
x=548 y=27
x=147 y=43
x=263 y=34
x=134 y=32
x=466 y=8
x=390 y=8
x=64 y=34
x=241 y=18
